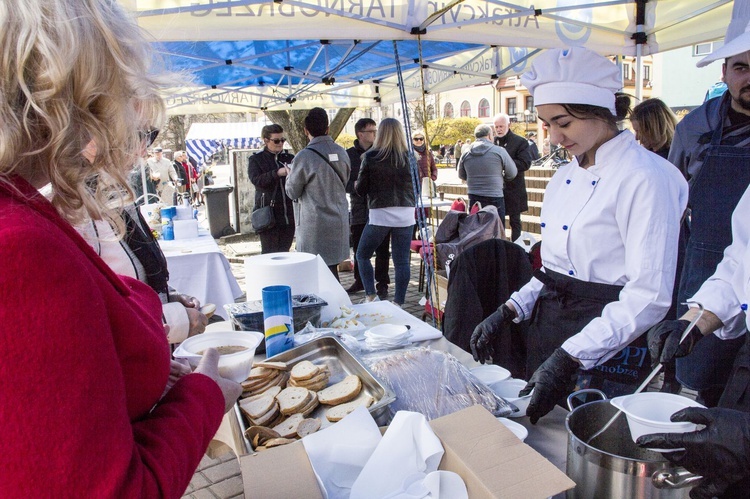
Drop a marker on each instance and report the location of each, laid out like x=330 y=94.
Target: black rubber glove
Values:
x=664 y=341
x=720 y=452
x=551 y=381
x=481 y=347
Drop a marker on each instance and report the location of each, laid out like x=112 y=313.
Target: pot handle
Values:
x=585 y=391
x=674 y=479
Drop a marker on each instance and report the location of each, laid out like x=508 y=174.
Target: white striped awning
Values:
x=204 y=139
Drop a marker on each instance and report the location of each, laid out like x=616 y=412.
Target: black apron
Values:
x=564 y=307
x=714 y=193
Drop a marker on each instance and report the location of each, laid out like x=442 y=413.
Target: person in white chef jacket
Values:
x=610 y=223
x=720 y=452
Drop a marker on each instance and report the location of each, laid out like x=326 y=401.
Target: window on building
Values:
x=484 y=108
x=510 y=106
x=702 y=49
x=647 y=73
x=626 y=72
x=530 y=103
x=448 y=110
x=465 y=109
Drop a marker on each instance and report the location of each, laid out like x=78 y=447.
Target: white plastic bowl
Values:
x=517 y=429
x=490 y=373
x=650 y=412
x=234 y=366
x=508 y=389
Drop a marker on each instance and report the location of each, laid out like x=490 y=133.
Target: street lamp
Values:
x=526 y=114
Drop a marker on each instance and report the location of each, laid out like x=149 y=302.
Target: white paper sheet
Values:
x=404 y=463
x=338 y=453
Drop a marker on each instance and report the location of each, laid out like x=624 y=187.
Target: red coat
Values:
x=85 y=361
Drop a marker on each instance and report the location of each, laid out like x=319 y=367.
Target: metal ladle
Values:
x=652 y=374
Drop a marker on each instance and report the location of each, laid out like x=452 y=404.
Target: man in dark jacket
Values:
x=267 y=170
x=515 y=190
x=365 y=129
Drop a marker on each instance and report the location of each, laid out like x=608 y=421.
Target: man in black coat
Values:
x=365 y=129
x=514 y=190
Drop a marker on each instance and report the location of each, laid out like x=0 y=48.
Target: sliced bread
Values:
x=307 y=426
x=304 y=370
x=338 y=412
x=288 y=427
x=256 y=407
x=269 y=418
x=341 y=392
x=278 y=366
x=293 y=398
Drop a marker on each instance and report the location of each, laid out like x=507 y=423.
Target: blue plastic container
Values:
x=277 y=319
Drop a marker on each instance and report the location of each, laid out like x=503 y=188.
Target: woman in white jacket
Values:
x=610 y=224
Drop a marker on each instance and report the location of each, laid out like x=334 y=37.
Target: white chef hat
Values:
x=573 y=76
x=737 y=39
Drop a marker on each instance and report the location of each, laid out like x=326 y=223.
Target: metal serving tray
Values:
x=328 y=350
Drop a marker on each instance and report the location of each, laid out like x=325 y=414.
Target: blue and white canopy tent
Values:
x=330 y=53
x=282 y=54
x=204 y=139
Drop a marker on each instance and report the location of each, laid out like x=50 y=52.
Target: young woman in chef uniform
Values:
x=610 y=224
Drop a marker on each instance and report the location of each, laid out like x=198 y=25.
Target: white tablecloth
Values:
x=197 y=267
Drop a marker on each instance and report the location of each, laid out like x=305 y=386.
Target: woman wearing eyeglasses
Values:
x=425 y=160
x=268 y=170
x=77 y=86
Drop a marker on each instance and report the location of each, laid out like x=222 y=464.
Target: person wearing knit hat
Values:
x=610 y=223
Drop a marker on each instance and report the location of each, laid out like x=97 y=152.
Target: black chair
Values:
x=481 y=279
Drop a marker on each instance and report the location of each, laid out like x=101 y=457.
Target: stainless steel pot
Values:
x=616 y=467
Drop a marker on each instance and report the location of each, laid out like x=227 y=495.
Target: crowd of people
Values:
x=640 y=231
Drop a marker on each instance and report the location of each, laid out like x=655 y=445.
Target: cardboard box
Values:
x=491 y=460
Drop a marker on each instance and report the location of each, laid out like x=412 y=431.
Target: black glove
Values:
x=551 y=381
x=720 y=452
x=481 y=348
x=664 y=341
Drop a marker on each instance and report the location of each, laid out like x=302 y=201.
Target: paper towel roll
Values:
x=185 y=229
x=296 y=270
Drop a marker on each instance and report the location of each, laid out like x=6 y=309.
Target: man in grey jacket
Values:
x=317 y=184
x=485 y=167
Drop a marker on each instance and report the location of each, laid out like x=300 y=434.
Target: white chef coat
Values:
x=616 y=222
x=727 y=292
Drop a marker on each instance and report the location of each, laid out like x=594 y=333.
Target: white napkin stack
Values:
x=386 y=336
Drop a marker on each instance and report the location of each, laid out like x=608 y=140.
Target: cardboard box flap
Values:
x=279 y=473
x=492 y=461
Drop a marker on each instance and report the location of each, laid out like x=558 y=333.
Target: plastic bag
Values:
x=433 y=383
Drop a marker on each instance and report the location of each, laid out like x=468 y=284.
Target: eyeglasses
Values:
x=277 y=141
x=418 y=139
x=370 y=131
x=149 y=136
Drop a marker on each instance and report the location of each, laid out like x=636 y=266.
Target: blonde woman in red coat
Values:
x=86 y=364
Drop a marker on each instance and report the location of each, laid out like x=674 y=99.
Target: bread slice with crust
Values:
x=307 y=426
x=341 y=392
x=256 y=407
x=304 y=370
x=338 y=412
x=293 y=398
x=278 y=366
x=288 y=427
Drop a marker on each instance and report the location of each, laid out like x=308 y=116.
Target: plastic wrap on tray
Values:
x=433 y=383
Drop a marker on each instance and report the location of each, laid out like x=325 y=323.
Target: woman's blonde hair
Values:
x=656 y=123
x=390 y=139
x=74 y=73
